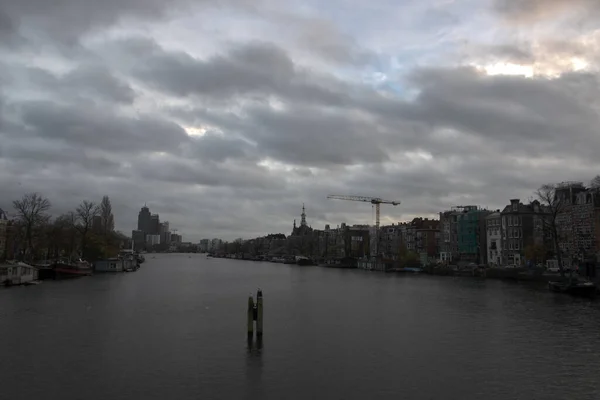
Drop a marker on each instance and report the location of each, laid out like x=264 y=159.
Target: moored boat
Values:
x=304 y=261
x=72 y=269
x=575 y=288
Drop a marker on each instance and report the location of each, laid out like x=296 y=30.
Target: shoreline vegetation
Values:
x=85 y=233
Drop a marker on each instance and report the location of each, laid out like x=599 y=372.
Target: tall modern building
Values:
x=154 y=224
x=165 y=234
x=144 y=220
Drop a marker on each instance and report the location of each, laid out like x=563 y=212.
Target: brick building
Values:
x=427 y=238
x=523 y=229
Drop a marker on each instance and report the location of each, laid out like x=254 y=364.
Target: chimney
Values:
x=514 y=204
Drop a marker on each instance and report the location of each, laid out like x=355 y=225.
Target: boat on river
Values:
x=72 y=269
x=574 y=287
x=304 y=261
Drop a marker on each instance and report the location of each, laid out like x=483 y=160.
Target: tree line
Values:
x=87 y=232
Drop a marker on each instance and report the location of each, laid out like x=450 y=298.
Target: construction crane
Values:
x=373 y=200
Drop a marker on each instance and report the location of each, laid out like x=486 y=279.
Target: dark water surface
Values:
x=176 y=330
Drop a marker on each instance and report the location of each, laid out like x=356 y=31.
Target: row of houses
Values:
x=517 y=235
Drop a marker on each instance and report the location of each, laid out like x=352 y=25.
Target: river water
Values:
x=176 y=329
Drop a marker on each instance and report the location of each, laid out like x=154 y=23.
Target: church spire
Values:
x=303 y=220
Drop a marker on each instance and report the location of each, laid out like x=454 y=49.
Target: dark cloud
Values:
x=534 y=116
x=167 y=169
x=88 y=83
x=98 y=127
x=323 y=39
x=312 y=137
x=40 y=153
x=255 y=69
x=66 y=20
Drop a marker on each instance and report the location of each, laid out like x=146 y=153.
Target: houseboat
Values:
x=18 y=274
x=127 y=261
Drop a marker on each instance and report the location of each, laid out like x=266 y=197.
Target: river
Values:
x=176 y=329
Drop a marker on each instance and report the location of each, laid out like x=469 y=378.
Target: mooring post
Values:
x=250 y=317
x=259 y=313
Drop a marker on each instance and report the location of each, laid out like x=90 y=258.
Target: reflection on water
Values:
x=176 y=329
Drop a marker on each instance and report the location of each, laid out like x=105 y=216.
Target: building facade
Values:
x=472 y=234
x=390 y=239
x=152 y=240
x=144 y=220
x=426 y=239
x=154 y=224
x=494 y=238
x=449 y=235
x=525 y=242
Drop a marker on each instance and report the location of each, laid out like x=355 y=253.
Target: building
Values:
x=566 y=195
x=471 y=233
x=144 y=220
x=333 y=242
x=358 y=243
x=578 y=224
x=390 y=240
x=426 y=239
x=303 y=229
x=154 y=224
x=524 y=239
x=494 y=238
x=204 y=245
x=165 y=234
x=175 y=238
x=152 y=240
x=449 y=235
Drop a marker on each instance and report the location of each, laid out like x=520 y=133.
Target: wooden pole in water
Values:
x=250 y=317
x=259 y=313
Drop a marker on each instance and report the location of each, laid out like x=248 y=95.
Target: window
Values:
x=516 y=245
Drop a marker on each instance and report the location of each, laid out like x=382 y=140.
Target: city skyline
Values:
x=226 y=117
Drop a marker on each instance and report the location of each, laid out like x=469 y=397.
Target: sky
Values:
x=225 y=116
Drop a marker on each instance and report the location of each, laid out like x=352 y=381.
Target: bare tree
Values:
x=64 y=234
x=595 y=183
x=31 y=212
x=85 y=213
x=553 y=205
x=108 y=220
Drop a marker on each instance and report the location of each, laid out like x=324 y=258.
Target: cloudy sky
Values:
x=226 y=115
